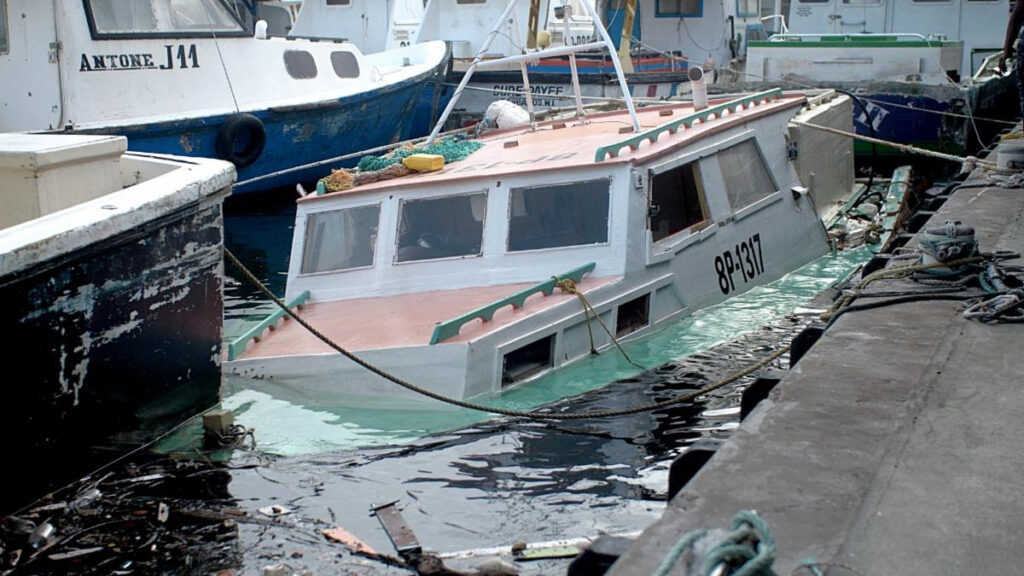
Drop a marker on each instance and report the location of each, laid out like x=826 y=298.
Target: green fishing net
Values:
x=452 y=149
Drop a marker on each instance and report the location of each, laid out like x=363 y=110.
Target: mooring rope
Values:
x=569 y=287
x=987 y=164
x=491 y=409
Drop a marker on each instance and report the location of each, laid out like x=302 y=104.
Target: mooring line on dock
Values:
x=965 y=161
x=490 y=409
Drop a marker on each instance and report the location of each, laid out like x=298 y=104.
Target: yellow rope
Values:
x=569 y=287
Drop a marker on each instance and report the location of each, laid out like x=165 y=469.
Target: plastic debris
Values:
x=342 y=536
x=274 y=511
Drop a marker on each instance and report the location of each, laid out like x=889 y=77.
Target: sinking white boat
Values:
x=202 y=78
x=450 y=278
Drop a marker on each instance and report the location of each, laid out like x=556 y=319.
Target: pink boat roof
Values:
x=557 y=145
x=402 y=320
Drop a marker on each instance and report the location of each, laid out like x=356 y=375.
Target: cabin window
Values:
x=340 y=239
x=747 y=8
x=164 y=18
x=345 y=64
x=746 y=176
x=677 y=201
x=338 y=2
x=460 y=2
x=814 y=1
x=299 y=64
x=864 y=2
x=441 y=227
x=678 y=8
x=4 y=46
x=563 y=215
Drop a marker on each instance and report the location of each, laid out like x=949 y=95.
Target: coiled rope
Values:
x=490 y=409
x=747 y=550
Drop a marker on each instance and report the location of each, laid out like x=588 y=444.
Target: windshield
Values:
x=167 y=18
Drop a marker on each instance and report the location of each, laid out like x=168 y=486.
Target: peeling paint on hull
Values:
x=116 y=342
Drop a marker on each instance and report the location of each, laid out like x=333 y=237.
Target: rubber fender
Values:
x=241 y=140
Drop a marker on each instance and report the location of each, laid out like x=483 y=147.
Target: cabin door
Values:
x=615 y=15
x=30 y=97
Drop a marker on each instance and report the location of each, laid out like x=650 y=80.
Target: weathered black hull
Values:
x=110 y=345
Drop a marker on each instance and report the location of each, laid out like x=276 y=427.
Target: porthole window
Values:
x=299 y=64
x=345 y=64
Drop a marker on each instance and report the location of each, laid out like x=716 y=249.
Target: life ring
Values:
x=241 y=139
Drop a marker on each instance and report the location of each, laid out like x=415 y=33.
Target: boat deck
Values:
x=561 y=145
x=402 y=320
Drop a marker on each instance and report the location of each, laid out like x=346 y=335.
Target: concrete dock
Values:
x=892 y=447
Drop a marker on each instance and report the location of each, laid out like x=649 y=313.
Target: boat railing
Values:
x=867 y=37
x=480 y=63
x=652 y=135
x=450 y=328
x=237 y=346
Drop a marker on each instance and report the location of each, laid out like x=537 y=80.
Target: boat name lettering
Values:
x=745 y=260
x=539 y=89
x=174 y=56
x=528 y=161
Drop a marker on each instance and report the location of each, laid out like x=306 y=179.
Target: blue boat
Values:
x=203 y=78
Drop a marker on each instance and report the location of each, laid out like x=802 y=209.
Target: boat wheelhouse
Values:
x=111 y=270
x=201 y=78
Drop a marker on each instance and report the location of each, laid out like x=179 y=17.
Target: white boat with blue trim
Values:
x=201 y=78
x=453 y=278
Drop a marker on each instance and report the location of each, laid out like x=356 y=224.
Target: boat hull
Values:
x=118 y=339
x=295 y=135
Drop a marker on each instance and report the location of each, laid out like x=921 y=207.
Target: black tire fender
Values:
x=245 y=128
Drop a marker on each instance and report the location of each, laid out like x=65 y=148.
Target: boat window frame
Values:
x=567 y=183
x=484 y=192
x=5 y=35
x=815 y=2
x=740 y=6
x=667 y=247
x=742 y=211
x=375 y=244
x=248 y=27
x=659 y=13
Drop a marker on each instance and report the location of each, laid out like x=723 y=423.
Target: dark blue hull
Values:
x=115 y=342
x=295 y=135
x=922 y=120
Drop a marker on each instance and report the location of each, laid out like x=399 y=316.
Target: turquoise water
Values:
x=285 y=425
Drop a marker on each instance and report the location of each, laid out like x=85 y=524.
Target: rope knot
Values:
x=566 y=285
